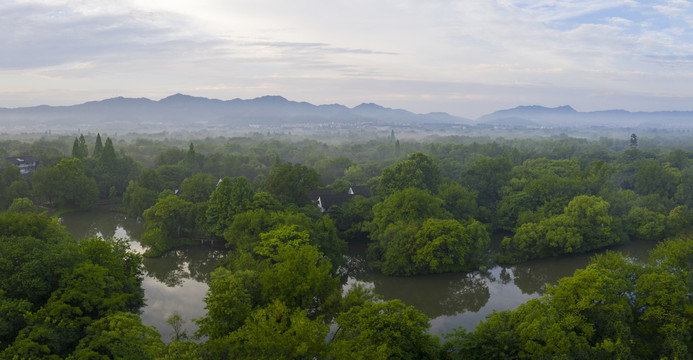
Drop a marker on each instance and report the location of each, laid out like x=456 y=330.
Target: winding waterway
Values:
x=176 y=283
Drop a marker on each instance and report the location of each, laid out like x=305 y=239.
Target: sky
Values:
x=467 y=58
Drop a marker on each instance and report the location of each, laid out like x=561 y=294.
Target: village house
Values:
x=325 y=198
x=26 y=164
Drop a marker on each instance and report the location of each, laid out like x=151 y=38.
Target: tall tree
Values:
x=98 y=147
x=231 y=197
x=79 y=148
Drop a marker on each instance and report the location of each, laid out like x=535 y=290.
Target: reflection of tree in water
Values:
x=354 y=266
x=175 y=266
x=505 y=276
x=470 y=293
x=103 y=222
x=434 y=295
x=355 y=262
x=531 y=277
x=528 y=280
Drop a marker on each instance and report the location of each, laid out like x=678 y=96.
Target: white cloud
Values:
x=444 y=51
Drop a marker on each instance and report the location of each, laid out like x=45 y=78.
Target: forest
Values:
x=445 y=204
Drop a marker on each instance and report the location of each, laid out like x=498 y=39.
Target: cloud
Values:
x=389 y=50
x=38 y=35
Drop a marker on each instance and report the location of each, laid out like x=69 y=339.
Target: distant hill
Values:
x=566 y=116
x=184 y=112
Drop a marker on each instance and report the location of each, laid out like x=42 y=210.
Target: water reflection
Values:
x=434 y=295
x=463 y=299
x=177 y=281
x=103 y=223
x=189 y=263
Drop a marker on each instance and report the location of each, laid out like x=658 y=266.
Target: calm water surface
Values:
x=177 y=281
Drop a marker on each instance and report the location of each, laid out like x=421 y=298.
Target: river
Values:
x=176 y=283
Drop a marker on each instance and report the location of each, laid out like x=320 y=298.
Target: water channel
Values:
x=176 y=283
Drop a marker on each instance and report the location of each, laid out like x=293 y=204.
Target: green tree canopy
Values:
x=291 y=182
x=418 y=171
x=79 y=148
x=584 y=225
x=409 y=205
x=614 y=308
x=230 y=197
x=197 y=188
x=98 y=147
x=487 y=176
x=66 y=184
x=166 y=221
x=384 y=330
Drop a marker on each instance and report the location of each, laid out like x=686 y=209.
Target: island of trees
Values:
x=442 y=205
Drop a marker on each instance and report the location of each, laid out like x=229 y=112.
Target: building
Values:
x=325 y=198
x=26 y=164
x=325 y=202
x=363 y=190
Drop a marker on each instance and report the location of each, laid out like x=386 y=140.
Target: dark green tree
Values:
x=65 y=184
x=384 y=330
x=410 y=206
x=418 y=171
x=119 y=336
x=230 y=197
x=291 y=182
x=487 y=176
x=79 y=148
x=166 y=223
x=276 y=332
x=98 y=147
x=197 y=188
x=614 y=308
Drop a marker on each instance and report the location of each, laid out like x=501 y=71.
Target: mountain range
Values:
x=567 y=117
x=184 y=112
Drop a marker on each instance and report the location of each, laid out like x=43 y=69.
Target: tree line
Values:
x=436 y=207
x=76 y=299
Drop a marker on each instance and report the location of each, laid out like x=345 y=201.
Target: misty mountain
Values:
x=184 y=112
x=566 y=116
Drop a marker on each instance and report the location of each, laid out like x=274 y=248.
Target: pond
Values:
x=176 y=283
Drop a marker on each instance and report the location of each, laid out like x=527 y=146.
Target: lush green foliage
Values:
x=615 y=308
x=291 y=182
x=584 y=225
x=434 y=208
x=231 y=197
x=418 y=171
x=166 y=222
x=412 y=233
x=384 y=330
x=59 y=296
x=66 y=184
